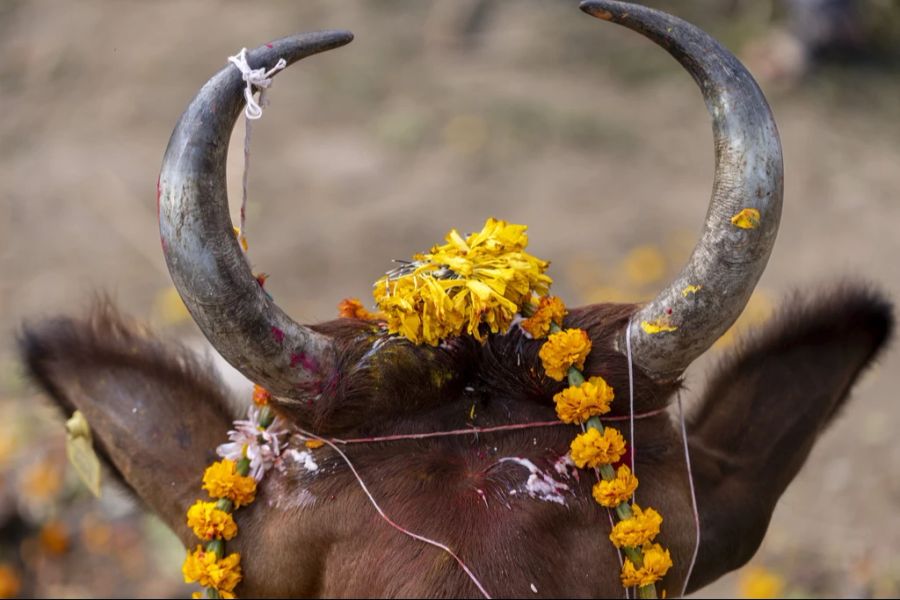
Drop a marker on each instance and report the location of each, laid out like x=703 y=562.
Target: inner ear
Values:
x=156 y=414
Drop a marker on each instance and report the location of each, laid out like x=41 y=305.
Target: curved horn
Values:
x=207 y=265
x=742 y=221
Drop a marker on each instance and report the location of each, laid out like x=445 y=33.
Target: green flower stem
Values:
x=266 y=416
x=212 y=593
x=528 y=309
x=637 y=559
x=243 y=466
x=595 y=423
x=225 y=504
x=607 y=472
x=635 y=556
x=575 y=377
x=217 y=546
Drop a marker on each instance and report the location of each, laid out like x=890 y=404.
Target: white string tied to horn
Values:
x=259 y=78
x=262 y=80
x=687 y=458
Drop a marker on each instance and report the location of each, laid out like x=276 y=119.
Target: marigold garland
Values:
x=230 y=484
x=222 y=480
x=656 y=563
x=211 y=571
x=209 y=522
x=563 y=350
x=592 y=448
x=613 y=492
x=576 y=404
x=550 y=311
x=640 y=529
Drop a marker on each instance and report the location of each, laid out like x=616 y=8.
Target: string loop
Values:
x=258 y=78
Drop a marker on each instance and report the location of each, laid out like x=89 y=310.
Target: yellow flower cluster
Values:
x=613 y=492
x=222 y=480
x=576 y=404
x=220 y=574
x=462 y=285
x=550 y=311
x=564 y=349
x=640 y=529
x=209 y=522
x=656 y=563
x=593 y=448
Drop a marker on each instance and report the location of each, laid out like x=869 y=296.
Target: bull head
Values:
x=158 y=416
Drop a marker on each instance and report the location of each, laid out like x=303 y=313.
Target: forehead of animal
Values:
x=381 y=379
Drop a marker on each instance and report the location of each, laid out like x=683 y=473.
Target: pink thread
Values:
x=399 y=528
x=477 y=430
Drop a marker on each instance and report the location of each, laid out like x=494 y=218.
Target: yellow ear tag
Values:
x=80 y=450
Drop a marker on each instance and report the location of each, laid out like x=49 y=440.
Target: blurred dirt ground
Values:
x=432 y=118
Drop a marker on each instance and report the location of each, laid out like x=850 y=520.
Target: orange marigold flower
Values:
x=550 y=310
x=54 y=537
x=209 y=522
x=313 y=444
x=640 y=529
x=204 y=568
x=352 y=308
x=261 y=395
x=657 y=563
x=564 y=349
x=759 y=582
x=616 y=491
x=593 y=448
x=9 y=581
x=222 y=480
x=578 y=404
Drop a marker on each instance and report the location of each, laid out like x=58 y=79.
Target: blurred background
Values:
x=439 y=115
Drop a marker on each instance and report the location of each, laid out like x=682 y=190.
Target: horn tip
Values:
x=300 y=45
x=602 y=9
x=339 y=37
x=326 y=39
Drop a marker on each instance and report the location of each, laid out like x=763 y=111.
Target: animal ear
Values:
x=156 y=416
x=763 y=411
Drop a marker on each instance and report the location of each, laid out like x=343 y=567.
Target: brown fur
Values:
x=749 y=437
